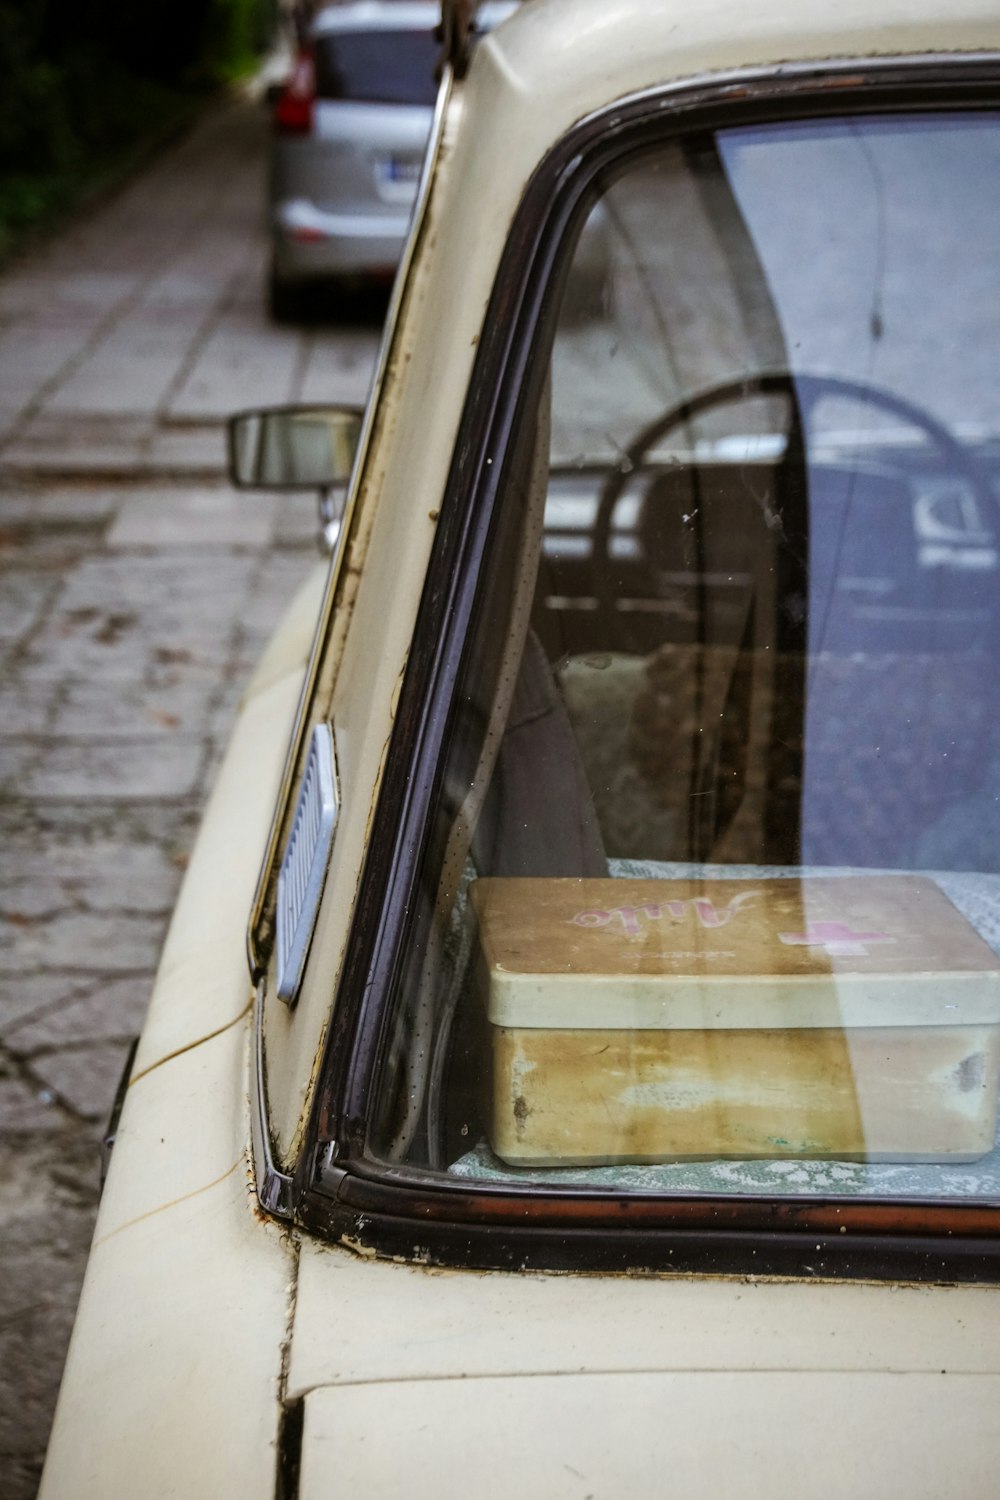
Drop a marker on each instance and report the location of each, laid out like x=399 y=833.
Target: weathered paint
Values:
x=761 y=1436
x=171 y=1385
x=411 y=1324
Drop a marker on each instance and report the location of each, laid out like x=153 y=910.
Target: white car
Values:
x=609 y=1103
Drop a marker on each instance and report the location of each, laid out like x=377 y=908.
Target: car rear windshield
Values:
x=377 y=67
x=711 y=896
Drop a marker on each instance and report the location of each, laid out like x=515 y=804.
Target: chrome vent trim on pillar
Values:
x=303 y=867
x=274 y=1187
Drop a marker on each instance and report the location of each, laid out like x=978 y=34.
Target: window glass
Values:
x=711 y=893
x=377 y=67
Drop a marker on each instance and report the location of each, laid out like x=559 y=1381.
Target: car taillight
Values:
x=293 y=113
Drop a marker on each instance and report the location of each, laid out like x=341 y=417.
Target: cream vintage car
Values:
x=609 y=1107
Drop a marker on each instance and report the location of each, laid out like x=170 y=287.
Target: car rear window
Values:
x=711 y=899
x=377 y=67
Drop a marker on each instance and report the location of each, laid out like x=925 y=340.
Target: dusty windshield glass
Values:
x=711 y=898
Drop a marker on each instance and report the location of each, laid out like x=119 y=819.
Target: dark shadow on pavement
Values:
x=336 y=305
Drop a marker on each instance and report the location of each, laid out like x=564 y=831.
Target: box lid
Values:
x=817 y=951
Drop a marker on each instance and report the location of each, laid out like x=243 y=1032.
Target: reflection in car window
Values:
x=711 y=894
x=377 y=67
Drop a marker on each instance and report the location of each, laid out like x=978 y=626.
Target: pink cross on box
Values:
x=839 y=940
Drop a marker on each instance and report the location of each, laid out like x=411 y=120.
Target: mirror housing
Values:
x=293 y=447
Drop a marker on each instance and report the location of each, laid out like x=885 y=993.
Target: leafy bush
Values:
x=84 y=82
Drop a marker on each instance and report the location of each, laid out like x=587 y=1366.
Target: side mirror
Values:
x=293 y=447
x=297 y=448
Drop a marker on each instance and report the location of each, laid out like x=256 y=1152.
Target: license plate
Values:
x=400 y=171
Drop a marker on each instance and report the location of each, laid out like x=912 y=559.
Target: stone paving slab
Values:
x=193 y=518
x=47 y=1181
x=44 y=443
x=240 y=365
x=124 y=648
x=108 y=1008
x=186 y=450
x=152 y=312
x=336 y=374
x=81 y=504
x=110 y=771
x=133 y=368
x=136 y=592
x=165 y=703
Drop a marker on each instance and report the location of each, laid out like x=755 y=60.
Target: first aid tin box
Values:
x=850 y=1017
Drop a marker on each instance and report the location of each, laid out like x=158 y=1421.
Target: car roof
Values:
x=607 y=35
x=570 y=59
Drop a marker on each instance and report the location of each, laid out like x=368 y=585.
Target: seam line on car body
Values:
x=189 y=1046
x=290 y=1409
x=899 y=1372
x=161 y=1207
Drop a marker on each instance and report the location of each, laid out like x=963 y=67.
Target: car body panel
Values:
x=391 y=520
x=745 y=1436
x=312 y=244
x=466 y=1324
x=173 y=1368
x=212 y=1141
x=364 y=138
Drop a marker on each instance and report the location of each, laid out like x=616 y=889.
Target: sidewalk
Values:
x=125 y=344
x=136 y=592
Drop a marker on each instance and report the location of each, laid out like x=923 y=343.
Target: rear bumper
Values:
x=310 y=242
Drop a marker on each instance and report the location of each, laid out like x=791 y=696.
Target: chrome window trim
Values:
x=274 y=1187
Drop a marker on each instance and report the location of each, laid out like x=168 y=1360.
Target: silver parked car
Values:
x=350 y=129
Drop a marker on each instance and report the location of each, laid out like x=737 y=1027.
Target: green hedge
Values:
x=84 y=83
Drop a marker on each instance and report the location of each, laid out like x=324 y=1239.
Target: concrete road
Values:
x=137 y=590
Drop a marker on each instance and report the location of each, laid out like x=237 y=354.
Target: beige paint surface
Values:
x=361 y=1321
x=183 y=1126
x=730 y=1436
x=172 y=1380
x=621 y=1386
